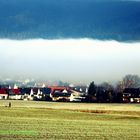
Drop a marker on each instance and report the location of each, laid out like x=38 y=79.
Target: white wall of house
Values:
x=16 y=97
x=76 y=96
x=3 y=96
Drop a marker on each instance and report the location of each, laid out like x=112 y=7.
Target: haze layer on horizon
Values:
x=89 y=55
x=73 y=60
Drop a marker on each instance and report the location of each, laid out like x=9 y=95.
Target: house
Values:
x=25 y=91
x=15 y=94
x=46 y=93
x=3 y=94
x=28 y=94
x=38 y=95
x=57 y=88
x=77 y=96
x=61 y=96
x=81 y=89
x=60 y=93
x=31 y=93
x=131 y=95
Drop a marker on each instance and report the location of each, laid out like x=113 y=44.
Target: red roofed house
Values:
x=59 y=93
x=3 y=94
x=15 y=94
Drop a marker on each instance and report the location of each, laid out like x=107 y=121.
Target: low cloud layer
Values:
x=72 y=60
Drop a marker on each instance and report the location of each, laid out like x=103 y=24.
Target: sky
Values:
x=69 y=40
x=49 y=19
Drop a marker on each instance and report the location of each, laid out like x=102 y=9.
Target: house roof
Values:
x=3 y=91
x=14 y=91
x=58 y=88
x=25 y=90
x=45 y=90
x=61 y=94
x=134 y=92
x=131 y=90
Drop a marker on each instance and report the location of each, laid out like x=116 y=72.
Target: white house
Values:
x=3 y=96
x=76 y=96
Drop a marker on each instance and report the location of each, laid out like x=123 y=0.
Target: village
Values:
x=91 y=93
x=43 y=93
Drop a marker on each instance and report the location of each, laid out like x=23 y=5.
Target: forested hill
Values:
x=53 y=19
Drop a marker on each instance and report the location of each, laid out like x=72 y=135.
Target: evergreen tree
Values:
x=91 y=92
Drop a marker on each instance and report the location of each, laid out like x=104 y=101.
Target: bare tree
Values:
x=131 y=81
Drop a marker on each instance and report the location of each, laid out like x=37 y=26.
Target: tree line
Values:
x=106 y=92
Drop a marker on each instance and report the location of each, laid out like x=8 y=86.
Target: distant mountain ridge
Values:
x=52 y=19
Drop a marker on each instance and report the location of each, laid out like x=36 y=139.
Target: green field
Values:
x=28 y=120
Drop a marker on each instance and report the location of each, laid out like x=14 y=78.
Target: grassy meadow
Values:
x=29 y=120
